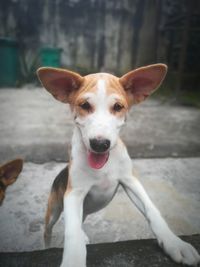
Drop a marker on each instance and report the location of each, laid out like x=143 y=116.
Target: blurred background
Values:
x=102 y=35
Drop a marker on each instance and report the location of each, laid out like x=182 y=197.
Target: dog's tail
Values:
x=55 y=204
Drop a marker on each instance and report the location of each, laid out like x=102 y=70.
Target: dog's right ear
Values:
x=59 y=82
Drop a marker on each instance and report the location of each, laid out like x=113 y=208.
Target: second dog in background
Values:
x=8 y=175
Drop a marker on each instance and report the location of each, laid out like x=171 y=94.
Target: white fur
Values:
x=94 y=189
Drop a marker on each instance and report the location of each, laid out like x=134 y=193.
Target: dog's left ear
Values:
x=60 y=83
x=10 y=171
x=142 y=82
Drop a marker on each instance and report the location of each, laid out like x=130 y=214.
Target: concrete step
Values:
x=140 y=253
x=38 y=128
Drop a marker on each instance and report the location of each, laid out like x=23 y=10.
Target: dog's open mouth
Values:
x=97 y=160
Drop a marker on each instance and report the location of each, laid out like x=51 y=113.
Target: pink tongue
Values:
x=97 y=161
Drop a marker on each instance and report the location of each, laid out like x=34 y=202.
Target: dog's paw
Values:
x=180 y=251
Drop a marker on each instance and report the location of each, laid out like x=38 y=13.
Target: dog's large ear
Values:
x=10 y=171
x=59 y=82
x=142 y=82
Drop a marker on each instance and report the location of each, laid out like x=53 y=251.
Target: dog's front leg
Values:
x=74 y=254
x=176 y=248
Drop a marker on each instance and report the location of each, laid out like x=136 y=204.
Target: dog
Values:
x=8 y=175
x=99 y=161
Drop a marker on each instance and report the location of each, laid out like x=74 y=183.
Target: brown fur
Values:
x=132 y=88
x=55 y=203
x=89 y=84
x=8 y=175
x=142 y=82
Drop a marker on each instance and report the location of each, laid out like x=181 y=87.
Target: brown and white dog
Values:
x=99 y=159
x=8 y=175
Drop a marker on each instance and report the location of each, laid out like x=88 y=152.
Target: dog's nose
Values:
x=99 y=145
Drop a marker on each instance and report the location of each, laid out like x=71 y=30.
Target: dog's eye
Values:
x=117 y=107
x=86 y=106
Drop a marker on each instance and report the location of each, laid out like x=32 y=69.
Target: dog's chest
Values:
x=100 y=195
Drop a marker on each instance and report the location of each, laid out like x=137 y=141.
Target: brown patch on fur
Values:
x=120 y=113
x=133 y=87
x=79 y=110
x=8 y=175
x=2 y=196
x=55 y=203
x=69 y=183
x=10 y=171
x=69 y=187
x=113 y=86
x=90 y=83
x=53 y=198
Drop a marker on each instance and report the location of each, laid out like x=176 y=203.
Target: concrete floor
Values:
x=173 y=185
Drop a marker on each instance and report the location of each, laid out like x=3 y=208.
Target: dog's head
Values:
x=101 y=101
x=8 y=175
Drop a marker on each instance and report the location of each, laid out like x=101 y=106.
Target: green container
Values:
x=9 y=62
x=50 y=57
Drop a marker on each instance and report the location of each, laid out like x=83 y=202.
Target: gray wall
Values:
x=95 y=35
